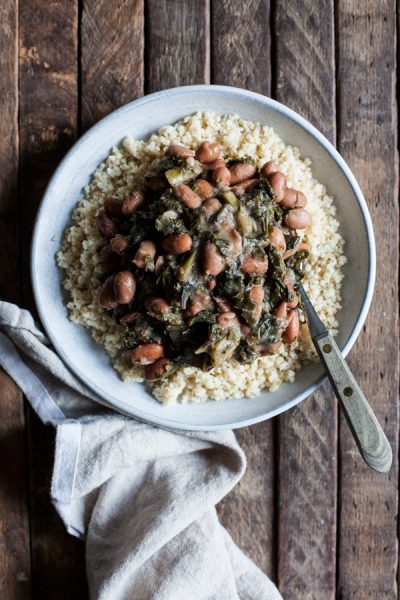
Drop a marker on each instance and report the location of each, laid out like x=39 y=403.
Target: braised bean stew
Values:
x=201 y=264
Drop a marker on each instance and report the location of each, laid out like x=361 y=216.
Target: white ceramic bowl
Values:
x=139 y=119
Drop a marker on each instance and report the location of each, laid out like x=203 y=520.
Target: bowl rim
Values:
x=330 y=149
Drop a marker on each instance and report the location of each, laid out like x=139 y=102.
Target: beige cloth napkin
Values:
x=142 y=497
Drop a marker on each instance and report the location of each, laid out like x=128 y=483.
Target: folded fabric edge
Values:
x=68 y=441
x=37 y=394
x=20 y=318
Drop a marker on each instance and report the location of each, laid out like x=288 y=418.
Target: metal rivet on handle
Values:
x=327 y=348
x=348 y=391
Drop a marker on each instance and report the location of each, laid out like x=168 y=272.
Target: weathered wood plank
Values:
x=15 y=577
x=241 y=44
x=305 y=81
x=177 y=43
x=48 y=126
x=367 y=139
x=9 y=233
x=58 y=559
x=248 y=512
x=304 y=61
x=241 y=57
x=112 y=49
x=48 y=103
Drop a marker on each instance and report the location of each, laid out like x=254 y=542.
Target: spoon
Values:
x=367 y=432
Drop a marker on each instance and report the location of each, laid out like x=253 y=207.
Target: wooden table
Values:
x=308 y=511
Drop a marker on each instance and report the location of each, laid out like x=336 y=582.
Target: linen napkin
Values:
x=142 y=497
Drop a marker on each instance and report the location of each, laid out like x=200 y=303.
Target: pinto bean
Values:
x=113 y=207
x=257 y=296
x=289 y=198
x=223 y=305
x=132 y=203
x=155 y=181
x=158 y=305
x=207 y=152
x=183 y=193
x=178 y=150
x=298 y=218
x=233 y=236
x=119 y=243
x=211 y=283
x=244 y=186
x=278 y=184
x=236 y=240
x=213 y=262
x=277 y=239
x=301 y=201
x=197 y=302
x=241 y=171
x=257 y=293
x=177 y=243
x=106 y=297
x=227 y=319
x=124 y=287
x=289 y=284
x=222 y=176
x=160 y=262
x=146 y=250
x=255 y=266
x=203 y=188
x=109 y=260
x=245 y=330
x=268 y=168
x=268 y=348
x=215 y=164
x=298 y=248
x=291 y=332
x=156 y=369
x=281 y=311
x=147 y=354
x=274 y=347
x=129 y=317
x=107 y=226
x=211 y=206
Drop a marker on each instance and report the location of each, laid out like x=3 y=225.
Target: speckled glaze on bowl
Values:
x=139 y=118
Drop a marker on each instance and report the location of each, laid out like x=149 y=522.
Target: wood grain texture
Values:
x=177 y=43
x=177 y=51
x=367 y=139
x=112 y=50
x=241 y=57
x=48 y=104
x=48 y=96
x=304 y=60
x=305 y=81
x=15 y=576
x=58 y=559
x=9 y=213
x=248 y=511
x=241 y=44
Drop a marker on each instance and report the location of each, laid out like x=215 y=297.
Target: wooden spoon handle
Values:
x=368 y=434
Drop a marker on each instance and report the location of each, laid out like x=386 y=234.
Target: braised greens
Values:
x=213 y=280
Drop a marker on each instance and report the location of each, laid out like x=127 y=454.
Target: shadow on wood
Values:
x=58 y=559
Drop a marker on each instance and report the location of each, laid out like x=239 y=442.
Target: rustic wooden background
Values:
x=308 y=511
